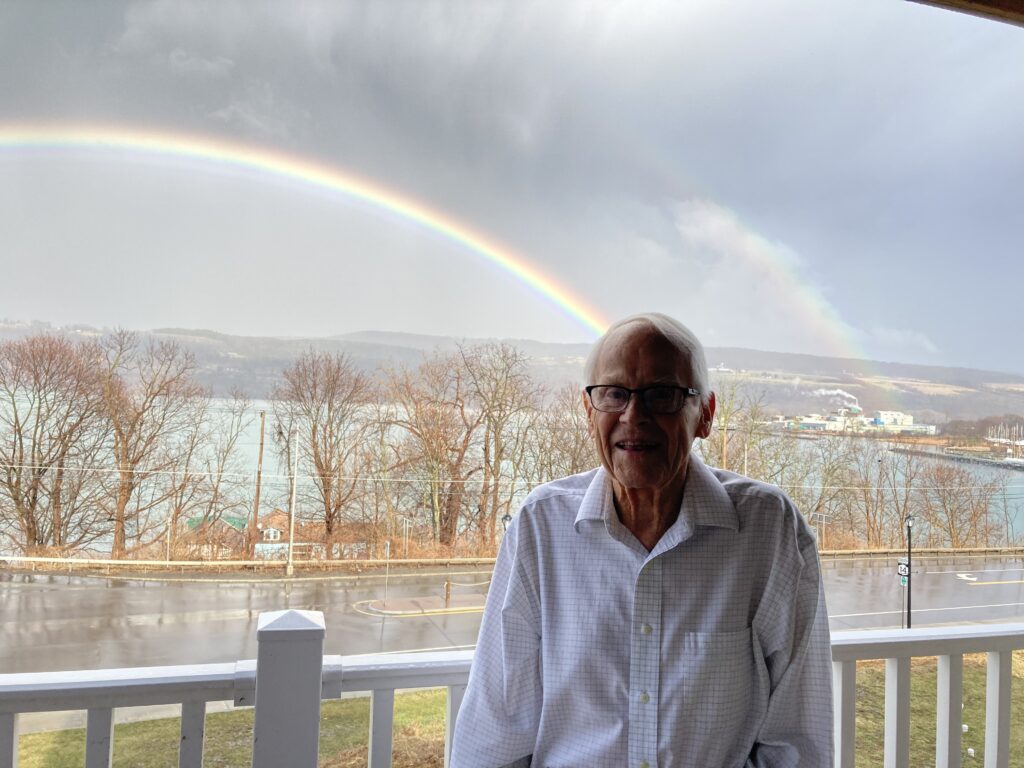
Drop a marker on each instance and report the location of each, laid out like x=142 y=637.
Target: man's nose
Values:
x=636 y=410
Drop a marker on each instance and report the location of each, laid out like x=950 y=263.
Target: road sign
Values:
x=903 y=581
x=903 y=570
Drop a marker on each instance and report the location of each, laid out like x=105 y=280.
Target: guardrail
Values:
x=290 y=667
x=96 y=562
x=925 y=553
x=141 y=565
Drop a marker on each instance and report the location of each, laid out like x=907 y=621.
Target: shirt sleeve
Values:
x=794 y=637
x=500 y=714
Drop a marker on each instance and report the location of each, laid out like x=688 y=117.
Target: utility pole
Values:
x=291 y=516
x=724 y=426
x=171 y=520
x=254 y=521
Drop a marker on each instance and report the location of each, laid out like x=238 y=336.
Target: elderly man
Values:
x=654 y=611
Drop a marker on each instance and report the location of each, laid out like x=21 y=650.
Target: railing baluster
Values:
x=455 y=694
x=289 y=665
x=193 y=727
x=949 y=710
x=997 y=709
x=99 y=738
x=9 y=740
x=897 y=712
x=844 y=701
x=382 y=724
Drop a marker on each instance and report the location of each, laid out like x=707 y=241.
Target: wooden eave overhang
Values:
x=1010 y=11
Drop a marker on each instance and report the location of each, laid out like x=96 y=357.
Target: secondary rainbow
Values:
x=317 y=174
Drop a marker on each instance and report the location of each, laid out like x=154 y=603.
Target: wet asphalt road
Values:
x=55 y=622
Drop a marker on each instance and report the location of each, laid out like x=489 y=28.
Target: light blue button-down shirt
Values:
x=710 y=650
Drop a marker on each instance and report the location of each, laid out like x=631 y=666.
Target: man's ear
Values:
x=587 y=407
x=707 y=416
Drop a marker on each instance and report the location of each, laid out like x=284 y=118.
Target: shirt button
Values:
x=644 y=698
x=646 y=629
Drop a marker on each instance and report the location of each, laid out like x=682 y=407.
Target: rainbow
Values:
x=710 y=225
x=272 y=163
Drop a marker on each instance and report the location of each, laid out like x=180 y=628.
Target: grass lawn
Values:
x=871 y=712
x=419 y=728
x=344 y=725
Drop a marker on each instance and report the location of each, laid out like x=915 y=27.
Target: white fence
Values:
x=291 y=668
x=949 y=644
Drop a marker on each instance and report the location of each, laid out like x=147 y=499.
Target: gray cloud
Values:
x=190 y=65
x=664 y=155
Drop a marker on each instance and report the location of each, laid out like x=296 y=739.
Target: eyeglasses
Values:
x=659 y=399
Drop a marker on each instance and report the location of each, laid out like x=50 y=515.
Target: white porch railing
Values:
x=291 y=668
x=949 y=644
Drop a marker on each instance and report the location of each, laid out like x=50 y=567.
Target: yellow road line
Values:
x=427 y=650
x=989 y=583
x=411 y=614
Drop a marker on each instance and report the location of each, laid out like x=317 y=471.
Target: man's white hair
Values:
x=681 y=337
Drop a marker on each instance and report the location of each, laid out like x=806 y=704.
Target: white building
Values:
x=893 y=419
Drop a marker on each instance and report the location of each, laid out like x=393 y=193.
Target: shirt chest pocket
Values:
x=713 y=687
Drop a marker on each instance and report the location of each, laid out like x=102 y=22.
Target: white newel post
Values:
x=382 y=724
x=9 y=740
x=455 y=695
x=99 y=737
x=289 y=665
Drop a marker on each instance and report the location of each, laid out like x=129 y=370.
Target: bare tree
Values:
x=756 y=445
x=506 y=397
x=51 y=430
x=561 y=444
x=149 y=397
x=181 y=483
x=816 y=474
x=956 y=504
x=434 y=407
x=1010 y=514
x=318 y=408
x=876 y=521
x=391 y=506
x=900 y=473
x=730 y=402
x=205 y=482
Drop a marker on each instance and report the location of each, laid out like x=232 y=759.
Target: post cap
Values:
x=291 y=621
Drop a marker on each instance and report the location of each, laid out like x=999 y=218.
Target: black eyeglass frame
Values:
x=687 y=392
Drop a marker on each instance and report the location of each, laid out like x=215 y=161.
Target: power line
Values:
x=1015 y=488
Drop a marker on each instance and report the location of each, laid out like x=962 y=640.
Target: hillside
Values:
x=791 y=383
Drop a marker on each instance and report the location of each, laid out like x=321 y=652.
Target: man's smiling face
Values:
x=641 y=450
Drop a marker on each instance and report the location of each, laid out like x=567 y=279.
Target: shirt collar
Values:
x=705 y=503
x=705 y=499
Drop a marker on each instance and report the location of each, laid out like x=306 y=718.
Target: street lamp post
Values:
x=910 y=570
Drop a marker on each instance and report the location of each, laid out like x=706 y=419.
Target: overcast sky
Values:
x=837 y=177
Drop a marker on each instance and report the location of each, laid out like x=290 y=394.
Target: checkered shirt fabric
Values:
x=710 y=650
